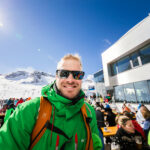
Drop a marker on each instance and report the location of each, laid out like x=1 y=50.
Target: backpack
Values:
x=44 y=119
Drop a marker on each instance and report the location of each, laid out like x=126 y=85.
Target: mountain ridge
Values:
x=29 y=84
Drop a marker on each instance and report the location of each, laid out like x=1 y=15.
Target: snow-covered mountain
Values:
x=24 y=84
x=35 y=77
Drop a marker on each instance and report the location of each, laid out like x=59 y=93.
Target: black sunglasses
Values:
x=78 y=75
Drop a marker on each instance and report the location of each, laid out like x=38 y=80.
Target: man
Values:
x=66 y=98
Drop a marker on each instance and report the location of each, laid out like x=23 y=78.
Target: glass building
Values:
x=99 y=83
x=98 y=76
x=126 y=65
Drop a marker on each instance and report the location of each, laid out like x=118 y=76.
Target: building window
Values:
x=148 y=85
x=99 y=76
x=113 y=69
x=142 y=91
x=134 y=58
x=119 y=94
x=129 y=93
x=124 y=64
x=145 y=55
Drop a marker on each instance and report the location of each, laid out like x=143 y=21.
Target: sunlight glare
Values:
x=1 y=24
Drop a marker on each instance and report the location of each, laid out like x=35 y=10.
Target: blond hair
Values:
x=117 y=118
x=69 y=57
x=145 y=112
x=122 y=120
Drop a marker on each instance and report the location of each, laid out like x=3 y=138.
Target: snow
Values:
x=29 y=84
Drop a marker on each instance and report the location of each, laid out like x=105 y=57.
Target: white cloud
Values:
x=107 y=41
x=28 y=69
x=39 y=49
x=90 y=77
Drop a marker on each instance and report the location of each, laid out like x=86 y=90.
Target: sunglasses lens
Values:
x=63 y=74
x=78 y=75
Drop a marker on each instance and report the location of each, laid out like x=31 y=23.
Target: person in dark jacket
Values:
x=99 y=116
x=127 y=137
x=135 y=124
x=100 y=121
x=110 y=118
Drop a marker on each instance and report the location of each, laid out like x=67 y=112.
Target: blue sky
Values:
x=37 y=33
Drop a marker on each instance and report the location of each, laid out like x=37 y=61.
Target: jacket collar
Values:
x=64 y=107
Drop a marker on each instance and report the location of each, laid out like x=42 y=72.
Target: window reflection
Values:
x=145 y=54
x=119 y=94
x=129 y=93
x=133 y=92
x=142 y=91
x=148 y=84
x=134 y=59
x=99 y=76
x=114 y=69
x=124 y=64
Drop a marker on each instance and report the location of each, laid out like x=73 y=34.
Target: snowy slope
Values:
x=24 y=84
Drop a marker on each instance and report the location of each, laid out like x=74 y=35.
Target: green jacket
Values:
x=8 y=113
x=149 y=138
x=16 y=132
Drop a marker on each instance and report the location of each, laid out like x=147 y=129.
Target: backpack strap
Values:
x=44 y=118
x=89 y=143
x=40 y=126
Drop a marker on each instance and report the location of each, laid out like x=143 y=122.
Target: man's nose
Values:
x=70 y=77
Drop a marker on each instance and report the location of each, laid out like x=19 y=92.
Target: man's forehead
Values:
x=70 y=65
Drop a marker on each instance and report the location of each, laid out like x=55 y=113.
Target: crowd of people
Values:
x=7 y=107
x=5 y=103
x=133 y=125
x=63 y=118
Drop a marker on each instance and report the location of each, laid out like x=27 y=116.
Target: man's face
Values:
x=69 y=87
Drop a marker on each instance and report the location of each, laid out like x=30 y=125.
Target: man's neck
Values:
x=73 y=100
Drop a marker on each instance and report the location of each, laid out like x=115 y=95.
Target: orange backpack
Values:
x=44 y=117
